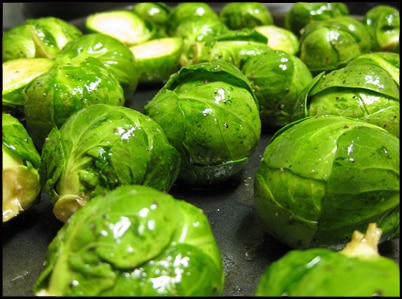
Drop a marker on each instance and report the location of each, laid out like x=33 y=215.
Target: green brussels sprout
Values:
x=100 y=148
x=303 y=13
x=280 y=38
x=42 y=37
x=216 y=121
x=364 y=91
x=322 y=177
x=123 y=25
x=199 y=30
x=155 y=12
x=51 y=98
x=277 y=78
x=114 y=55
x=134 y=241
x=358 y=270
x=331 y=44
x=21 y=161
x=388 y=61
x=234 y=46
x=238 y=15
x=188 y=11
x=17 y=73
x=157 y=59
x=383 y=23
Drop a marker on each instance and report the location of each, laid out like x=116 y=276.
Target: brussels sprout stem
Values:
x=364 y=245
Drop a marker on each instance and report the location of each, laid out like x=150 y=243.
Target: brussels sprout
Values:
x=388 y=61
x=322 y=177
x=280 y=38
x=134 y=241
x=21 y=161
x=358 y=270
x=303 y=13
x=188 y=11
x=364 y=91
x=238 y=15
x=216 y=121
x=51 y=98
x=114 y=55
x=331 y=44
x=99 y=148
x=277 y=78
x=123 y=25
x=235 y=46
x=383 y=23
x=198 y=30
x=17 y=73
x=42 y=37
x=155 y=12
x=157 y=59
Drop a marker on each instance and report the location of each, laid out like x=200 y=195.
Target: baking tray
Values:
x=245 y=248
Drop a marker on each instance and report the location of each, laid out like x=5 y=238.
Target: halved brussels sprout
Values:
x=123 y=25
x=134 y=241
x=280 y=38
x=303 y=13
x=42 y=37
x=355 y=271
x=331 y=44
x=155 y=12
x=99 y=148
x=113 y=54
x=51 y=98
x=238 y=15
x=157 y=59
x=322 y=177
x=17 y=73
x=383 y=23
x=278 y=78
x=21 y=161
x=216 y=125
x=361 y=90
